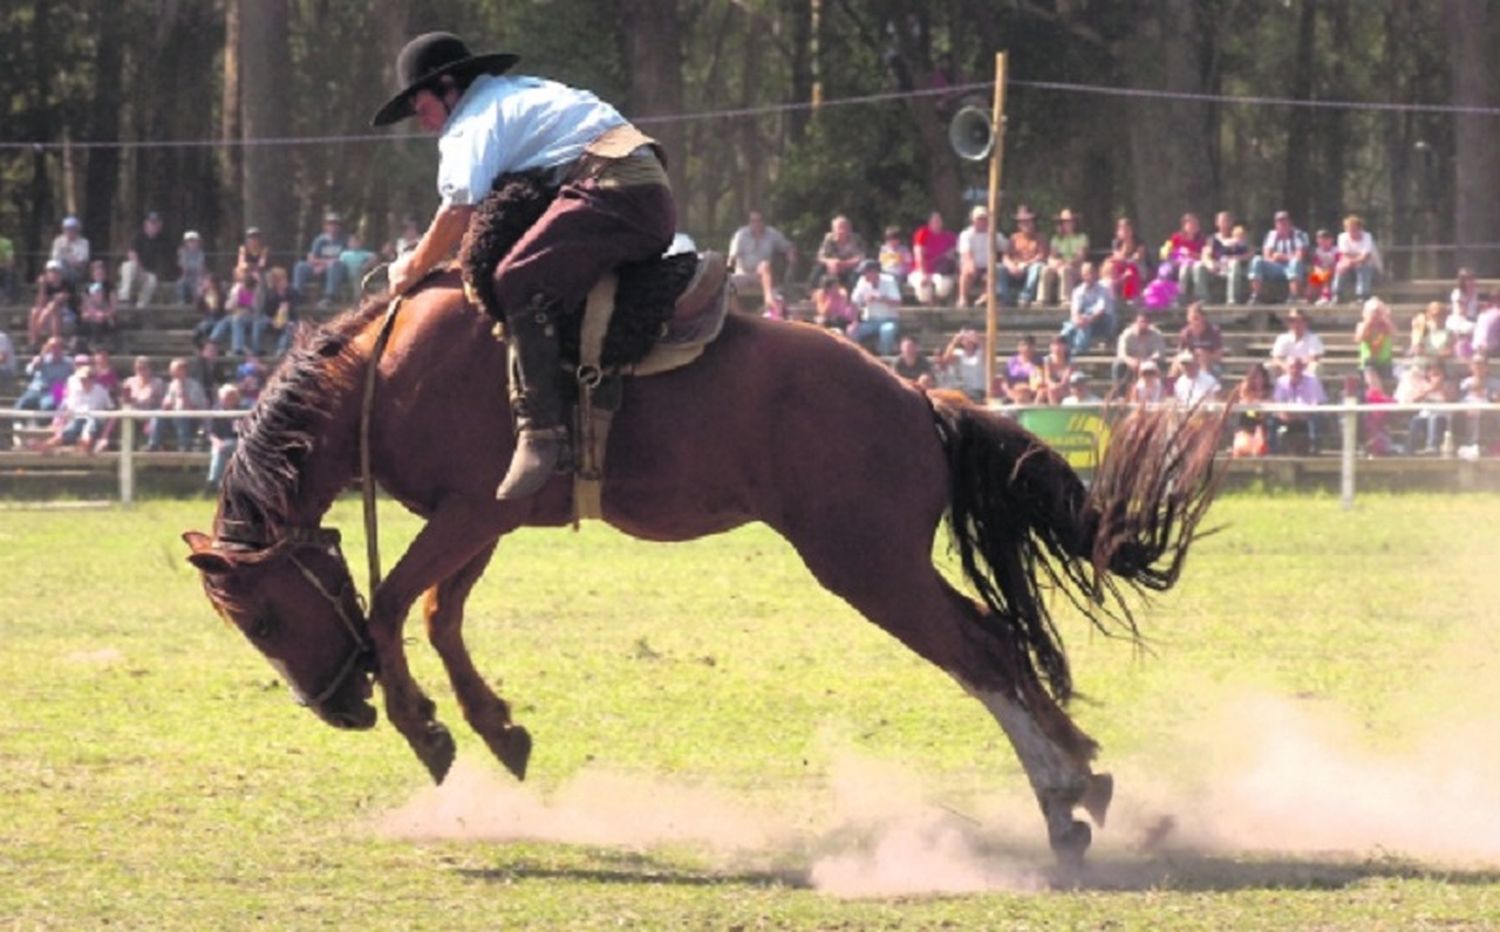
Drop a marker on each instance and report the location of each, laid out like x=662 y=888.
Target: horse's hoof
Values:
x=1070 y=844
x=1097 y=795
x=513 y=747
x=437 y=751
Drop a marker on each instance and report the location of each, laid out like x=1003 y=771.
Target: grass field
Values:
x=1308 y=744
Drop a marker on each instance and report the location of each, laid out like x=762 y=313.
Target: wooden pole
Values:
x=991 y=305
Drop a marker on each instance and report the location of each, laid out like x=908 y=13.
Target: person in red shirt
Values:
x=1185 y=250
x=935 y=251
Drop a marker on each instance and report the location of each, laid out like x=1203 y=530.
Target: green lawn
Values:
x=1310 y=741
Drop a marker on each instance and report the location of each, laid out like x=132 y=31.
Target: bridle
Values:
x=320 y=538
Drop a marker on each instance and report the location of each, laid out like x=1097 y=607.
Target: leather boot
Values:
x=535 y=401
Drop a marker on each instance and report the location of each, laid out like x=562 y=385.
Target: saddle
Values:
x=643 y=319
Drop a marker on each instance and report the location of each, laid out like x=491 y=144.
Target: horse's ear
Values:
x=204 y=556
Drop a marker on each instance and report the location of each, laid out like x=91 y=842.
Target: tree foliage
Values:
x=148 y=72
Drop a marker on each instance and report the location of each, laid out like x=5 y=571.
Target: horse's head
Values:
x=295 y=602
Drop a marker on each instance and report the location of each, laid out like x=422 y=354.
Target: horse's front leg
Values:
x=485 y=711
x=454 y=535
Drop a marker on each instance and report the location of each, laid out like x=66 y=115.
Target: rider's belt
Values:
x=621 y=157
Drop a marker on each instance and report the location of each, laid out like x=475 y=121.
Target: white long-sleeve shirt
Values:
x=880 y=301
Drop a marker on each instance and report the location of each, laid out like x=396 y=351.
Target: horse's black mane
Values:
x=261 y=482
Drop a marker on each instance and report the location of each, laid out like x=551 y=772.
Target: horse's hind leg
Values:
x=907 y=597
x=486 y=712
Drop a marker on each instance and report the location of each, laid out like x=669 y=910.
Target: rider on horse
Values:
x=614 y=205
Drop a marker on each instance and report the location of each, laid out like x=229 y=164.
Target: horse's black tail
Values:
x=1022 y=520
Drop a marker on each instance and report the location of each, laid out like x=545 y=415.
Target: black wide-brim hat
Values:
x=427 y=58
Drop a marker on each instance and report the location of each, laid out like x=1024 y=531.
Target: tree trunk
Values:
x=653 y=60
x=1470 y=27
x=42 y=225
x=800 y=15
x=102 y=177
x=230 y=161
x=1328 y=193
x=265 y=84
x=912 y=68
x=1296 y=191
x=1169 y=148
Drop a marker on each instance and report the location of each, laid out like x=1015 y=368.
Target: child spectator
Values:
x=1376 y=429
x=1226 y=257
x=53 y=313
x=1057 y=370
x=831 y=305
x=1184 y=250
x=1147 y=387
x=223 y=435
x=878 y=300
x=1324 y=261
x=1023 y=369
x=1252 y=436
x=1127 y=258
x=84 y=399
x=1359 y=260
x=244 y=312
x=1079 y=392
x=1376 y=336
x=250 y=378
x=97 y=318
x=1067 y=252
x=143 y=390
x=934 y=249
x=184 y=393
x=1161 y=294
x=192 y=266
x=895 y=256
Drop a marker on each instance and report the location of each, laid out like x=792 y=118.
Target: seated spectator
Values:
x=1225 y=258
x=1146 y=387
x=962 y=361
x=148 y=263
x=1184 y=250
x=1091 y=313
x=1126 y=263
x=1298 y=342
x=1298 y=433
x=1376 y=335
x=1161 y=294
x=1359 y=260
x=895 y=256
x=209 y=302
x=752 y=255
x=71 y=250
x=1024 y=368
x=105 y=374
x=7 y=269
x=842 y=252
x=878 y=300
x=1430 y=339
x=204 y=368
x=1079 y=392
x=1481 y=387
x=913 y=365
x=143 y=390
x=1057 y=369
x=1464 y=307
x=1194 y=383
x=831 y=305
x=223 y=435
x=323 y=260
x=1252 y=435
x=1485 y=340
x=1019 y=394
x=1202 y=337
x=278 y=314
x=1321 y=266
x=1066 y=254
x=411 y=235
x=53 y=313
x=97 y=320
x=184 y=393
x=1377 y=432
x=1424 y=382
x=47 y=376
x=253 y=254
x=1022 y=261
x=1464 y=300
x=935 y=250
x=357 y=261
x=1138 y=343
x=80 y=426
x=976 y=250
x=1283 y=258
x=244 y=313
x=10 y=365
x=192 y=266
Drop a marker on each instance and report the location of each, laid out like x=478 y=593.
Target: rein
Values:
x=372 y=526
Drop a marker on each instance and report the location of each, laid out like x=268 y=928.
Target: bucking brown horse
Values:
x=777 y=422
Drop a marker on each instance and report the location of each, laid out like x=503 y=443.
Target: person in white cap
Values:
x=977 y=247
x=71 y=250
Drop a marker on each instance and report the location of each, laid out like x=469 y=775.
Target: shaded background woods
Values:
x=152 y=71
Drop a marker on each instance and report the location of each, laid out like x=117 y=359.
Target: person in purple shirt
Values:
x=1298 y=433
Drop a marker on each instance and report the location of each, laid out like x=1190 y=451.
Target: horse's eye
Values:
x=262 y=627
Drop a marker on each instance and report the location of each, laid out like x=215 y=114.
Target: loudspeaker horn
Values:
x=971 y=134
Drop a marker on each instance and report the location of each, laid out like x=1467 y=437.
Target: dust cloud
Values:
x=1256 y=777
